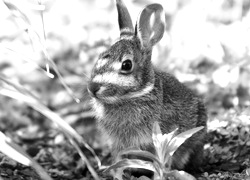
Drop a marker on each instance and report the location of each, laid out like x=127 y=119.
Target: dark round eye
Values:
x=127 y=66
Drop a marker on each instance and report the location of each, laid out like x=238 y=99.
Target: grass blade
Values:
x=23 y=95
x=141 y=154
x=19 y=55
x=17 y=12
x=16 y=153
x=132 y=163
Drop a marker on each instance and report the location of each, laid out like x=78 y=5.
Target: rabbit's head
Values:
x=124 y=71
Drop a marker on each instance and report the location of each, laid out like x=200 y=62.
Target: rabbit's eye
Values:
x=127 y=66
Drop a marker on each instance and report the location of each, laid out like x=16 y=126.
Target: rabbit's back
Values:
x=180 y=104
x=184 y=110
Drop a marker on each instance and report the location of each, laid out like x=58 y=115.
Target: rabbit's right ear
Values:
x=150 y=25
x=124 y=19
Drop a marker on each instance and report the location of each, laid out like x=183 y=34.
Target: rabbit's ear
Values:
x=150 y=25
x=124 y=19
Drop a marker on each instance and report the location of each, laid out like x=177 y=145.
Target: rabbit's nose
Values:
x=93 y=88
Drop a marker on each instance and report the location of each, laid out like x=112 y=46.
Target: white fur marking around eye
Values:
x=115 y=78
x=100 y=63
x=116 y=66
x=127 y=56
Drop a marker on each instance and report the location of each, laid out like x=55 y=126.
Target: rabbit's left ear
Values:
x=124 y=19
x=150 y=25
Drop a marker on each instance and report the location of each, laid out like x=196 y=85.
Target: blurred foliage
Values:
x=206 y=43
x=206 y=46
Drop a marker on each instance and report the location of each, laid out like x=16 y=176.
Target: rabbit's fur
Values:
x=129 y=94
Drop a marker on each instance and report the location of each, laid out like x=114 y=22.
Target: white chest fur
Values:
x=127 y=125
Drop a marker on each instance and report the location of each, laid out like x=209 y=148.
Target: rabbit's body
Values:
x=129 y=123
x=129 y=94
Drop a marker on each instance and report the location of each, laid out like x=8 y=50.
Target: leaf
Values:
x=166 y=144
x=143 y=178
x=141 y=154
x=159 y=169
x=131 y=163
x=181 y=138
x=157 y=135
x=161 y=142
x=248 y=172
x=145 y=154
x=179 y=175
x=16 y=153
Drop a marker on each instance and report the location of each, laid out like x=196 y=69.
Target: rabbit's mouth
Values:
x=104 y=93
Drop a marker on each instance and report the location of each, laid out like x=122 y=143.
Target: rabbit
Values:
x=128 y=94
